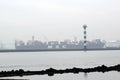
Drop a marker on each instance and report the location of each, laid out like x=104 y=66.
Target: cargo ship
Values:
x=66 y=44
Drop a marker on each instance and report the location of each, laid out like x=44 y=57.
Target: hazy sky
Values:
x=59 y=19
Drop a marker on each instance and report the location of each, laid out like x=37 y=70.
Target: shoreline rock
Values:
x=52 y=71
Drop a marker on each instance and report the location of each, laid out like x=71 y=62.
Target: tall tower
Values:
x=85 y=37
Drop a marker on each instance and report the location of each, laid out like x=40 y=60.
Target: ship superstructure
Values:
x=66 y=44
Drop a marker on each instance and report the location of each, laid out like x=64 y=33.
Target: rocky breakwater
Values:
x=52 y=71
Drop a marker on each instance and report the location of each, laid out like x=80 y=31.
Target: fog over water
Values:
x=58 y=19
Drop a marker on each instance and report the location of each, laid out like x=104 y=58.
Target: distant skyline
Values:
x=59 y=19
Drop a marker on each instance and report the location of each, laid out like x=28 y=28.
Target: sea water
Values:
x=61 y=60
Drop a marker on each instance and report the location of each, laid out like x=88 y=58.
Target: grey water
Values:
x=61 y=60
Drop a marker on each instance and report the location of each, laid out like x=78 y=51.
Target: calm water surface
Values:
x=61 y=60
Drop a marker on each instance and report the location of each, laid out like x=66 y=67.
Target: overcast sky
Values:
x=59 y=19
